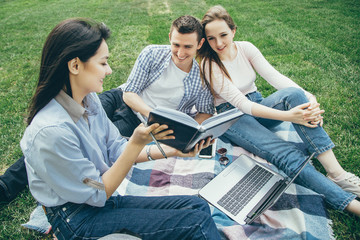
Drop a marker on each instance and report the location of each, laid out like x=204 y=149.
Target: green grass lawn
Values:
x=314 y=42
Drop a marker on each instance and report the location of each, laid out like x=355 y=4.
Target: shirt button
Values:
x=67 y=220
x=64 y=209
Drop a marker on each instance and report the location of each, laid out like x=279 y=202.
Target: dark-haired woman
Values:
x=230 y=69
x=76 y=158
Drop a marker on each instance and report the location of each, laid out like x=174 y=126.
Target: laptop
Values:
x=246 y=189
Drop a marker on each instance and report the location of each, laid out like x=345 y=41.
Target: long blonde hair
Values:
x=206 y=55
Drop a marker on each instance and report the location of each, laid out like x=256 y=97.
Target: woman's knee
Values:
x=295 y=95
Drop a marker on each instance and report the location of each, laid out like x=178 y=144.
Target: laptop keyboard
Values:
x=238 y=196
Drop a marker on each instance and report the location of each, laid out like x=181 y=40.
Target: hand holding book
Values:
x=152 y=135
x=187 y=131
x=195 y=151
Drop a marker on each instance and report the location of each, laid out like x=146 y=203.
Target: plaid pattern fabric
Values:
x=299 y=214
x=149 y=66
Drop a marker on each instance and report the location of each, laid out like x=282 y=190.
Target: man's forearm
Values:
x=200 y=117
x=135 y=102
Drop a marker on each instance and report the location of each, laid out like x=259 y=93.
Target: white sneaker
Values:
x=350 y=183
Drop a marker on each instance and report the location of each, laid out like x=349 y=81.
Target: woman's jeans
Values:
x=253 y=134
x=168 y=217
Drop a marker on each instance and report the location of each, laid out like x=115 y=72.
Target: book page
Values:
x=215 y=126
x=220 y=118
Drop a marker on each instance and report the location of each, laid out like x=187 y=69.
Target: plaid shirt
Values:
x=149 y=66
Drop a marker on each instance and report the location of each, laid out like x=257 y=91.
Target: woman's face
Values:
x=220 y=37
x=92 y=73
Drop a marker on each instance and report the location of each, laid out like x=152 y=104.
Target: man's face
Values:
x=183 y=48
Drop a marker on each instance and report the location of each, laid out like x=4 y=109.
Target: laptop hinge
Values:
x=265 y=201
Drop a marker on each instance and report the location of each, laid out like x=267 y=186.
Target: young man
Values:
x=169 y=76
x=163 y=75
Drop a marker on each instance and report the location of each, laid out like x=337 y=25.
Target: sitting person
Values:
x=169 y=76
x=76 y=158
x=229 y=68
x=159 y=71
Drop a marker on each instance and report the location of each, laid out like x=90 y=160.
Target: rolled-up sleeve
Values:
x=56 y=161
x=140 y=73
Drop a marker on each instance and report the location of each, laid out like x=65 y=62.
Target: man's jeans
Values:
x=253 y=134
x=170 y=217
x=118 y=112
x=13 y=181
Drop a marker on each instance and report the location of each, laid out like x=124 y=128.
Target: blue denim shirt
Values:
x=66 y=143
x=149 y=66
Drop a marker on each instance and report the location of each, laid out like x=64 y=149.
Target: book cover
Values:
x=187 y=131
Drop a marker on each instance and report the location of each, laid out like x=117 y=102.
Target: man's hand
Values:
x=198 y=147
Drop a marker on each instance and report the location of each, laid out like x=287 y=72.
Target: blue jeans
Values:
x=253 y=134
x=168 y=217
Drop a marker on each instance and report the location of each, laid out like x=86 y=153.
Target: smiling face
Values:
x=183 y=48
x=90 y=75
x=220 y=37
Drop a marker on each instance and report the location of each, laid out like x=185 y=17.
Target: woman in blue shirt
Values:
x=75 y=157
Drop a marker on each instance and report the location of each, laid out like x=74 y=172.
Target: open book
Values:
x=187 y=131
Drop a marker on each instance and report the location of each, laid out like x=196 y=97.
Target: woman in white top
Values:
x=229 y=67
x=76 y=159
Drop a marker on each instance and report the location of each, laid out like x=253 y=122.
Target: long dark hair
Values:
x=71 y=38
x=206 y=55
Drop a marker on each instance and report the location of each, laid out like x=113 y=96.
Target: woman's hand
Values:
x=305 y=115
x=141 y=135
x=313 y=114
x=315 y=106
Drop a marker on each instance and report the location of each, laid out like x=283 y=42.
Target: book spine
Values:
x=191 y=143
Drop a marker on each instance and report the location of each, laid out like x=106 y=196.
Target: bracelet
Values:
x=148 y=153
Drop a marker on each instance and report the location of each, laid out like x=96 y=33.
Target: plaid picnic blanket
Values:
x=298 y=214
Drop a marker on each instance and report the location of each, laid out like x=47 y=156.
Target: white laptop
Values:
x=246 y=188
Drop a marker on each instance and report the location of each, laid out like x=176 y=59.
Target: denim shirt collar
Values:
x=75 y=110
